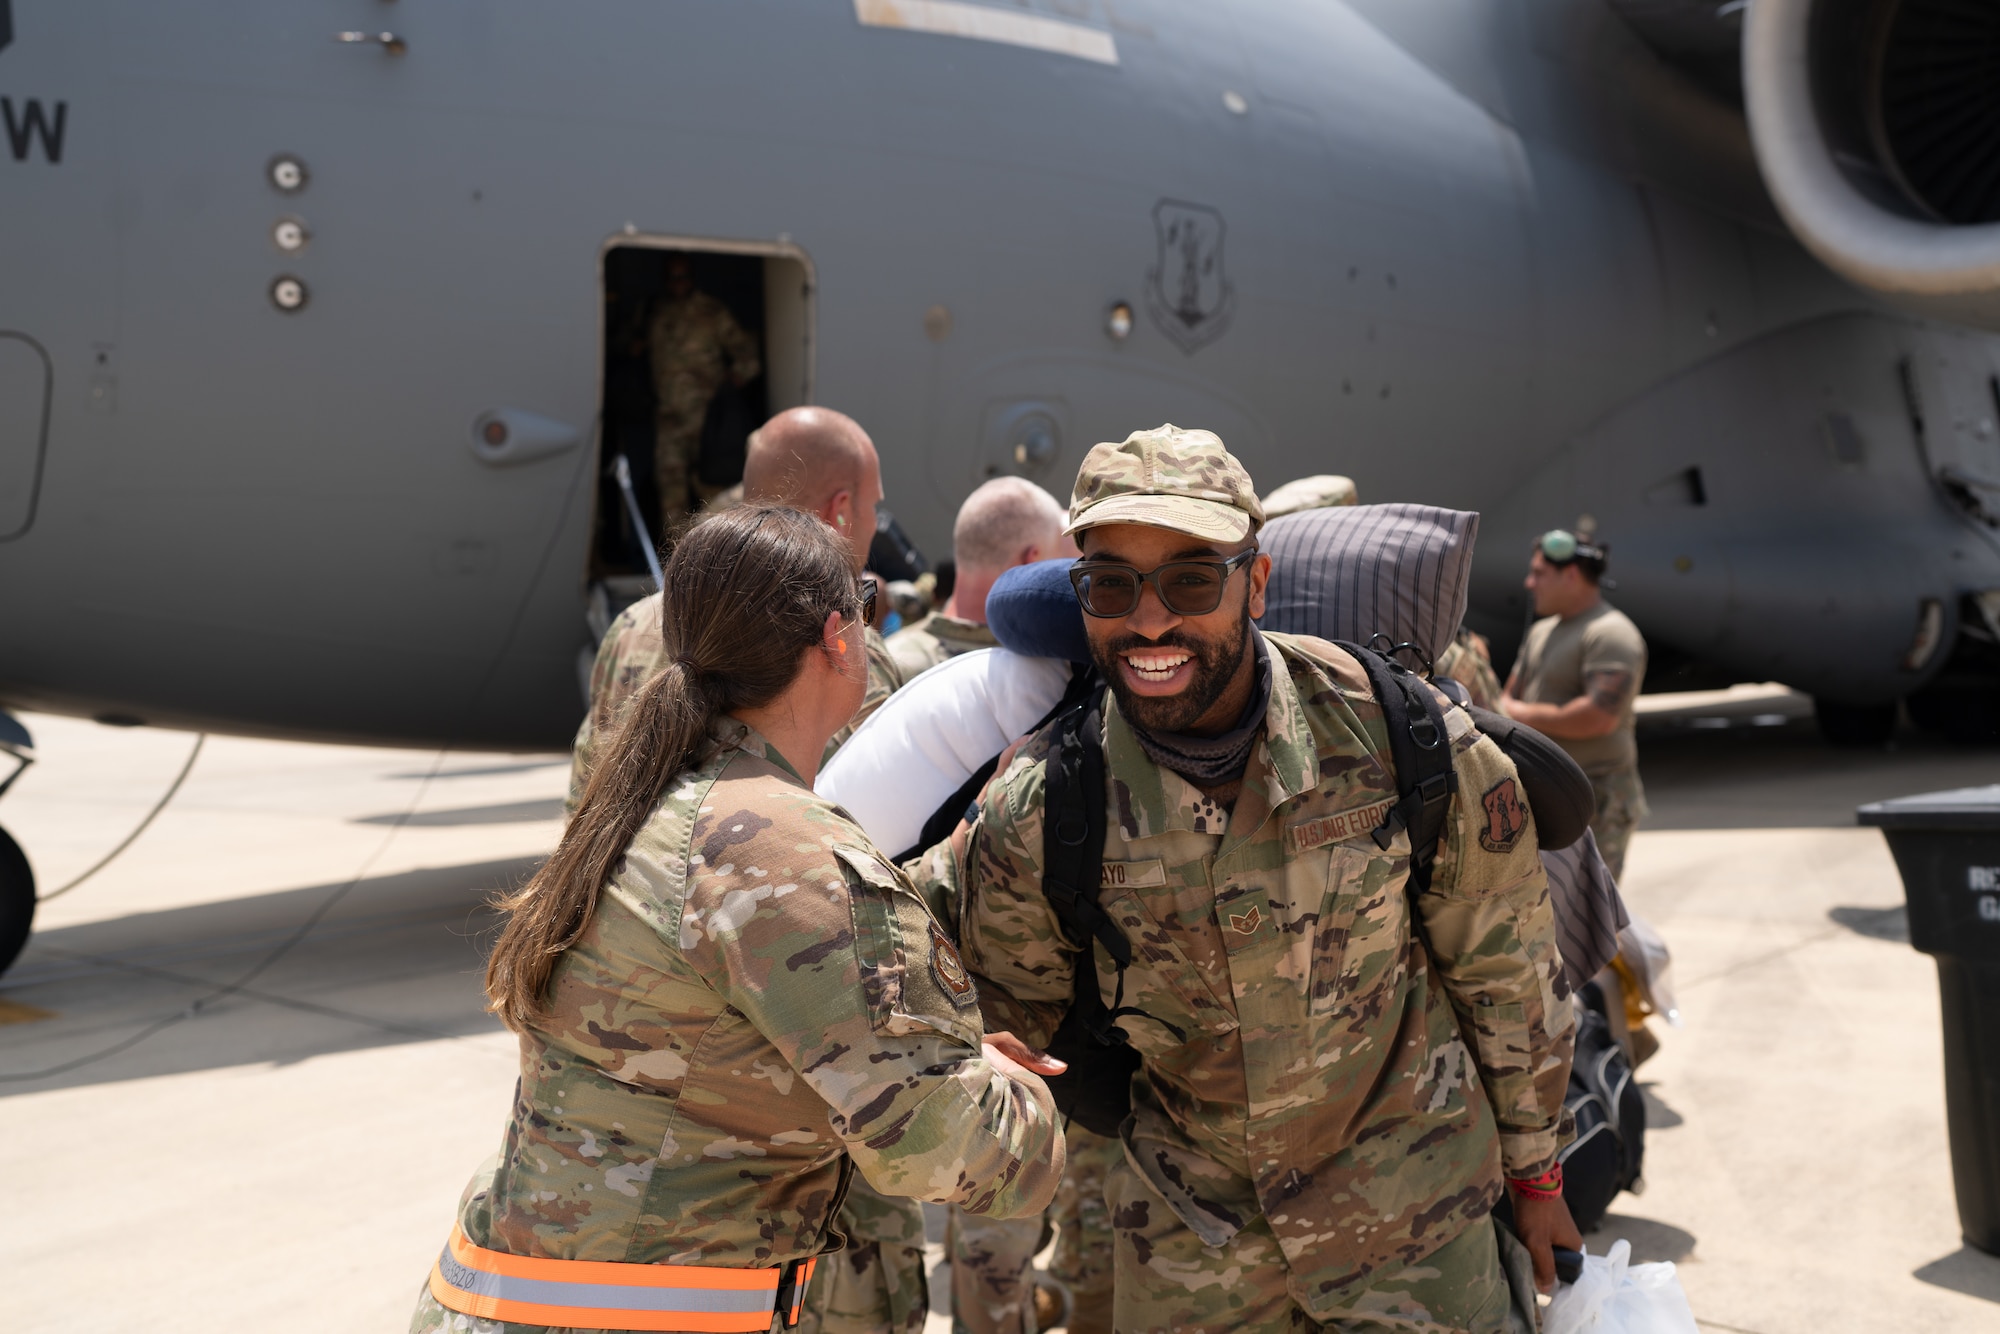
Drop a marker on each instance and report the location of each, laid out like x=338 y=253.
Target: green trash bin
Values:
x=1947 y=847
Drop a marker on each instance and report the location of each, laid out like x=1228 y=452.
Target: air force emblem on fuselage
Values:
x=1187 y=290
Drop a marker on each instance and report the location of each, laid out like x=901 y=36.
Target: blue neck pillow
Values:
x=1033 y=611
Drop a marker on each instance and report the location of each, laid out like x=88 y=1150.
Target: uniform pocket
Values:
x=911 y=973
x=1364 y=922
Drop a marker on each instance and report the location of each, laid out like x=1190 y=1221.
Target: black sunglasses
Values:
x=1186 y=587
x=870 y=590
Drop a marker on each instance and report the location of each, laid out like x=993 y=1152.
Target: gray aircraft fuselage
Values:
x=1493 y=256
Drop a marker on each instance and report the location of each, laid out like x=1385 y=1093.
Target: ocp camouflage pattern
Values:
x=1356 y=1086
x=757 y=994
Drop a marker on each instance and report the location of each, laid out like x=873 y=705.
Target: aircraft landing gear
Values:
x=17 y=900
x=17 y=878
x=1967 y=715
x=1856 y=725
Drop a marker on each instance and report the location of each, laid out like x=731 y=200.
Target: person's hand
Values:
x=1543 y=1225
x=1011 y=1056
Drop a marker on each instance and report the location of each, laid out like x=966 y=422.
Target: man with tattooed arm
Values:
x=1576 y=678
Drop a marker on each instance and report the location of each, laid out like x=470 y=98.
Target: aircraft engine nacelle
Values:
x=1876 y=124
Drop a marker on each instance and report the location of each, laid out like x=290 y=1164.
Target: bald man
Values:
x=1008 y=521
x=813 y=459
x=822 y=462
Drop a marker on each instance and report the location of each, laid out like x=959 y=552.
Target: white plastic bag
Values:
x=1614 y=1296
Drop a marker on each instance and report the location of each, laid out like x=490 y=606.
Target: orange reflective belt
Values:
x=600 y=1294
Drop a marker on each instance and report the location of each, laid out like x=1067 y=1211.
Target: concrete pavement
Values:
x=286 y=1154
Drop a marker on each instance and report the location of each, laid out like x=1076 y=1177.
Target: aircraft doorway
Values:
x=703 y=341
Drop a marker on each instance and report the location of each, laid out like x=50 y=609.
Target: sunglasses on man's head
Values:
x=1109 y=588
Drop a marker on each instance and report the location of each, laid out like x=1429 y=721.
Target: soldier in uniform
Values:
x=1575 y=681
x=1334 y=1089
x=822 y=462
x=695 y=344
x=814 y=459
x=728 y=1001
x=1008 y=521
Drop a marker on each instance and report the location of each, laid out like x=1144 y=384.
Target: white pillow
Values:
x=930 y=736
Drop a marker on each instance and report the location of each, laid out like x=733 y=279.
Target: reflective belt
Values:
x=600 y=1294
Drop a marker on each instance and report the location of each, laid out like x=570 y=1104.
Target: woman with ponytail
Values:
x=727 y=999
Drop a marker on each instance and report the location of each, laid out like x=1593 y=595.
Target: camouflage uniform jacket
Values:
x=1339 y=1074
x=632 y=651
x=756 y=994
x=920 y=647
x=1464 y=662
x=691 y=340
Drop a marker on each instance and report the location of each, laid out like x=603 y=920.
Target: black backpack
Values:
x=1096 y=1090
x=1609 y=1150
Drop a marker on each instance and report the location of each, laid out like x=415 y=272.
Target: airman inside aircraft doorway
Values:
x=703 y=340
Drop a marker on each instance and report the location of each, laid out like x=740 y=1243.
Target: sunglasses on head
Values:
x=1559 y=546
x=1109 y=588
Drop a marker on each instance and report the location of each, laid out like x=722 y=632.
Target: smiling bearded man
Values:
x=1332 y=1086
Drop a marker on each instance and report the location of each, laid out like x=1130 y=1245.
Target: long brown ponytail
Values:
x=747 y=593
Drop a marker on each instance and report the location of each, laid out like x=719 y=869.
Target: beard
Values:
x=1216 y=662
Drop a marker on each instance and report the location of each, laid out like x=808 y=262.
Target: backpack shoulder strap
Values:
x=1420 y=749
x=1073 y=828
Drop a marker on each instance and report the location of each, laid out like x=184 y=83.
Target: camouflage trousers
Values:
x=1621 y=804
x=1168 y=1279
x=677 y=444
x=877 y=1285
x=992 y=1259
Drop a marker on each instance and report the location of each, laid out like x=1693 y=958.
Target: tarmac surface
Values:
x=245 y=1070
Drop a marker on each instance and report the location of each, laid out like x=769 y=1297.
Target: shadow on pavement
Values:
x=1788 y=777
x=397 y=958
x=1891 y=924
x=1650 y=1240
x=1974 y=1273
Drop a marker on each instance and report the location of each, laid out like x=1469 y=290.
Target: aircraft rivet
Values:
x=290 y=234
x=288 y=174
x=288 y=294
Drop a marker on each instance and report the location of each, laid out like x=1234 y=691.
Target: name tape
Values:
x=1324 y=829
x=1140 y=874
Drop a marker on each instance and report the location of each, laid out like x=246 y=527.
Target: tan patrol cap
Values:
x=1167 y=478
x=1325 y=490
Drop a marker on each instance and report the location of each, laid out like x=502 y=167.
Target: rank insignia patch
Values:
x=1246 y=923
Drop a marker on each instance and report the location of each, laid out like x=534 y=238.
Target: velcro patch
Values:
x=1117 y=875
x=1506 y=817
x=949 y=970
x=1324 y=829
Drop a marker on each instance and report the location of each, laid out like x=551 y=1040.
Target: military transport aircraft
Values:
x=316 y=319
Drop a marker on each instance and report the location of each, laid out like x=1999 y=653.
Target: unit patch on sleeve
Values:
x=949 y=970
x=1324 y=829
x=1506 y=817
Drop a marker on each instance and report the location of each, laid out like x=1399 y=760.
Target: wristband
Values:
x=1547 y=1186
